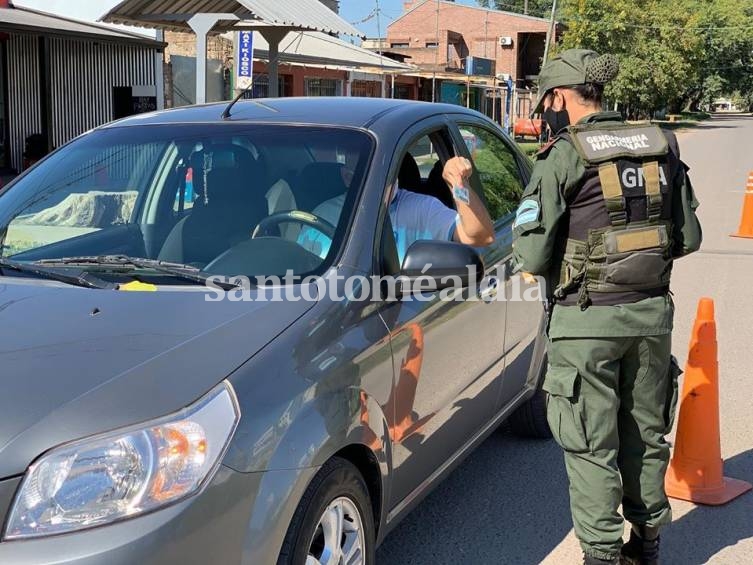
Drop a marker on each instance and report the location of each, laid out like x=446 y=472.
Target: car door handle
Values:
x=490 y=292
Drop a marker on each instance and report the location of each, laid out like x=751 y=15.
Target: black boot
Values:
x=642 y=548
x=588 y=560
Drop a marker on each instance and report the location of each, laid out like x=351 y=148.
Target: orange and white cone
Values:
x=696 y=472
x=746 y=222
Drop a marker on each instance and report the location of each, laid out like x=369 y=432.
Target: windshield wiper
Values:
x=68 y=276
x=176 y=270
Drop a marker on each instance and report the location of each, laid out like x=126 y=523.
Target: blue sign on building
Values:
x=479 y=66
x=244 y=68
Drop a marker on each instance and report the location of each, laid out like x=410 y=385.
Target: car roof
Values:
x=341 y=110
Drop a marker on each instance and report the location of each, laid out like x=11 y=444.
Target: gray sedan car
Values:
x=190 y=373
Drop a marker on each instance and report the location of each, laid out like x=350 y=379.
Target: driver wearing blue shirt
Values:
x=416 y=217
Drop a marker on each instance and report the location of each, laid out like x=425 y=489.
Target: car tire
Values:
x=338 y=486
x=529 y=420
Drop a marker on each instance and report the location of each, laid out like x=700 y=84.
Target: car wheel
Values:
x=529 y=420
x=334 y=522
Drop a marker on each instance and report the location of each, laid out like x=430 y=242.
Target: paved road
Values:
x=507 y=503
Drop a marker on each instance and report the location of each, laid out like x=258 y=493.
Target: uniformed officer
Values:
x=608 y=209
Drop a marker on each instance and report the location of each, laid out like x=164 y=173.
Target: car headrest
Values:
x=319 y=182
x=229 y=156
x=230 y=187
x=409 y=177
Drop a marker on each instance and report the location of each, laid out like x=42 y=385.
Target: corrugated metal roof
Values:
x=311 y=14
x=316 y=48
x=18 y=18
x=174 y=14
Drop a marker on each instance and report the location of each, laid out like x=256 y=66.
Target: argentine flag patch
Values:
x=528 y=211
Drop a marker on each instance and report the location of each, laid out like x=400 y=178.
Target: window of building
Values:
x=432 y=45
x=400 y=45
x=260 y=88
x=498 y=171
x=366 y=88
x=323 y=87
x=404 y=92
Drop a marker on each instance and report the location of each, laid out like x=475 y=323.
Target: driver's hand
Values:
x=457 y=171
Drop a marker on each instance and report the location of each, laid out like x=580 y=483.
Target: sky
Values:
x=354 y=11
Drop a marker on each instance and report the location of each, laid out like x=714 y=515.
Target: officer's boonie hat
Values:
x=575 y=67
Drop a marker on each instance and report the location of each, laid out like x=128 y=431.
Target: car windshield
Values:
x=229 y=199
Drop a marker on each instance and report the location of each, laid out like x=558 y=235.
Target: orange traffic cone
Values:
x=696 y=470
x=746 y=222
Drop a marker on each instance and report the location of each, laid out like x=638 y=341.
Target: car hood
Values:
x=76 y=362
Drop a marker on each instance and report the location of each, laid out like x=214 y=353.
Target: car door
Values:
x=501 y=174
x=447 y=354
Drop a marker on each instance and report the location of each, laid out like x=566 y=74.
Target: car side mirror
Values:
x=436 y=265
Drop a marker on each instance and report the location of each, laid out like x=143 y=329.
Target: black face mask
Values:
x=556 y=120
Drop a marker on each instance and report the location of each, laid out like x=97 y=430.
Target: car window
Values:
x=498 y=170
x=209 y=194
x=424 y=152
x=422 y=207
x=95 y=190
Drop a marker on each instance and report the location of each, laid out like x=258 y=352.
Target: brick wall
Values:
x=184 y=44
x=298 y=75
x=473 y=30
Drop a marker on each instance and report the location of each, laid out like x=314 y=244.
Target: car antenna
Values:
x=226 y=113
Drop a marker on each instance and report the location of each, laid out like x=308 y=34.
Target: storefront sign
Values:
x=244 y=59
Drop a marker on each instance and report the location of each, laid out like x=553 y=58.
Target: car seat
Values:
x=225 y=212
x=317 y=183
x=409 y=177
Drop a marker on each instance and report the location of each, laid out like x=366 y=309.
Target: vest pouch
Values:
x=637 y=258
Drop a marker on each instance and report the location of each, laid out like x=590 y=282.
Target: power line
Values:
x=367 y=18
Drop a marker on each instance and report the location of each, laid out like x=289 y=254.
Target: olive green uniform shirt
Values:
x=558 y=171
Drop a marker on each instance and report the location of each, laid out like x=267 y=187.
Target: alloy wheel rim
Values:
x=338 y=538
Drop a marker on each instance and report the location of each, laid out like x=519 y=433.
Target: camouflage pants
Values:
x=611 y=402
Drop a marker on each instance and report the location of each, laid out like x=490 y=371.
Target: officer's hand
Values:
x=528 y=278
x=457 y=171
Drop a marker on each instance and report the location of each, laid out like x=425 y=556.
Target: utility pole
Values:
x=549 y=33
x=381 y=52
x=436 y=61
x=486 y=33
x=525 y=7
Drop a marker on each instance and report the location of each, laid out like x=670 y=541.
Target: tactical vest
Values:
x=618 y=241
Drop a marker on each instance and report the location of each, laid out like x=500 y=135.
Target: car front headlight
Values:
x=126 y=472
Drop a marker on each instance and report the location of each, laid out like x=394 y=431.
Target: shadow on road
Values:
x=678 y=126
x=732 y=121
x=706 y=530
x=506 y=504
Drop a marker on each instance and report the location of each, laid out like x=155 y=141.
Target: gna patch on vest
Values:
x=633 y=176
x=600 y=145
x=528 y=211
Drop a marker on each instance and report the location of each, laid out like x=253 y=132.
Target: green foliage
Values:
x=743 y=100
x=498 y=173
x=674 y=54
x=538 y=8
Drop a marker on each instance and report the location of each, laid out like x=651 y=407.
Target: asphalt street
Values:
x=508 y=502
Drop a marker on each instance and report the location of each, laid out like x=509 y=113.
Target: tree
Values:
x=727 y=58
x=673 y=53
x=539 y=8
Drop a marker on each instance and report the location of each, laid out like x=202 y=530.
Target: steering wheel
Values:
x=295 y=216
